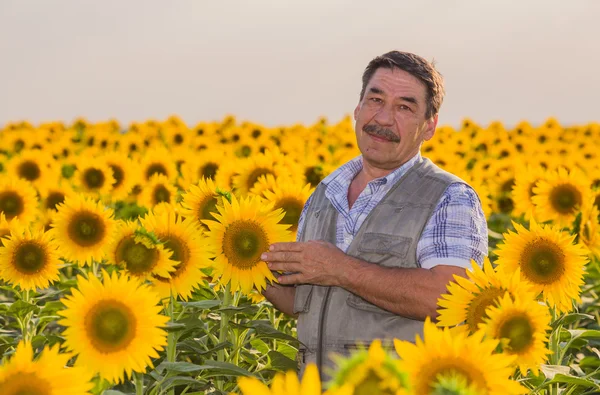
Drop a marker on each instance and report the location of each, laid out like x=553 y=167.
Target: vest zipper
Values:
x=321 y=332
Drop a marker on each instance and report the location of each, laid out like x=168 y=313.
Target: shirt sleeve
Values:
x=457 y=231
x=301 y=219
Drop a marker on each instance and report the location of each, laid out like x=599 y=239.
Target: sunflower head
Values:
x=17 y=199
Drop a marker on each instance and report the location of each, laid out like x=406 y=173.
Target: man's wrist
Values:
x=351 y=270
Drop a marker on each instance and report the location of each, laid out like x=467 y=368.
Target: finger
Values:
x=285 y=267
x=291 y=279
x=281 y=256
x=292 y=246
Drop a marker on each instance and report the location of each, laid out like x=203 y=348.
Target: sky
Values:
x=279 y=62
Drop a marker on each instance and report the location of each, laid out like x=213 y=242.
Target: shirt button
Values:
x=348 y=239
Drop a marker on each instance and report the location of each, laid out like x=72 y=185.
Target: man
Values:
x=381 y=237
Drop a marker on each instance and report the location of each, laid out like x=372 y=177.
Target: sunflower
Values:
x=46 y=375
x=94 y=178
x=522 y=191
x=453 y=384
x=548 y=260
x=29 y=259
x=158 y=190
x=203 y=165
x=470 y=357
x=291 y=198
x=244 y=230
x=184 y=239
x=6 y=226
x=32 y=166
x=55 y=195
x=17 y=199
x=467 y=299
x=115 y=326
x=560 y=195
x=138 y=253
x=227 y=173
x=370 y=372
x=589 y=230
x=253 y=168
x=201 y=200
x=284 y=384
x=124 y=172
x=521 y=327
x=82 y=229
x=158 y=161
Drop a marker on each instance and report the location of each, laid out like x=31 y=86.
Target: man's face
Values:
x=390 y=118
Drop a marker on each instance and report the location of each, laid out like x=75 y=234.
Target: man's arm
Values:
x=282 y=297
x=408 y=292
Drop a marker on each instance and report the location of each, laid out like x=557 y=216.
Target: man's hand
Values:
x=313 y=262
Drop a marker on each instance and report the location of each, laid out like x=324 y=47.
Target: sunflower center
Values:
x=209 y=170
x=29 y=257
x=243 y=243
x=292 y=208
x=86 y=229
x=505 y=204
x=118 y=175
x=476 y=310
x=93 y=178
x=507 y=185
x=255 y=174
x=245 y=151
x=29 y=170
x=313 y=175
x=180 y=252
x=25 y=383
x=54 y=199
x=542 y=261
x=110 y=325
x=155 y=168
x=519 y=332
x=138 y=258
x=206 y=207
x=11 y=204
x=564 y=198
x=450 y=367
x=371 y=385
x=161 y=194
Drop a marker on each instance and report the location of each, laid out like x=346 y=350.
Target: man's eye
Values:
x=375 y=99
x=403 y=107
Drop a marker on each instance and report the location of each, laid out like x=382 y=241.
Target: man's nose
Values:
x=385 y=116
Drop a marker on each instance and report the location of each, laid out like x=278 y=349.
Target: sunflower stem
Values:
x=171 y=340
x=223 y=330
x=25 y=322
x=139 y=383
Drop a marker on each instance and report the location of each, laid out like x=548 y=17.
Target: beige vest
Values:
x=333 y=320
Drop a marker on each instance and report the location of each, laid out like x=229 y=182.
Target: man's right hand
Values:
x=282 y=297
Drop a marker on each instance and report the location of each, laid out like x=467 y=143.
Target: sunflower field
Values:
x=130 y=261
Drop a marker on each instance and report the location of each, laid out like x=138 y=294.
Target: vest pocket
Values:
x=385 y=249
x=359 y=303
x=302 y=298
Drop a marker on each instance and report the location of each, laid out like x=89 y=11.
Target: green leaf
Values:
x=183 y=380
x=220 y=368
x=287 y=350
x=250 y=309
x=174 y=326
x=281 y=362
x=584 y=333
x=266 y=331
x=260 y=345
x=552 y=370
x=21 y=308
x=114 y=392
x=569 y=379
x=570 y=318
x=202 y=304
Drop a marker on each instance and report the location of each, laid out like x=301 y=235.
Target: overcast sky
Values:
x=286 y=61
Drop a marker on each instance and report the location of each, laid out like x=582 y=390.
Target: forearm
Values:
x=409 y=292
x=282 y=297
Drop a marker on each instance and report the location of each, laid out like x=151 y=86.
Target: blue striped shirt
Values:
x=455 y=233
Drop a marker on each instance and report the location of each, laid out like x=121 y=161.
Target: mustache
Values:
x=381 y=132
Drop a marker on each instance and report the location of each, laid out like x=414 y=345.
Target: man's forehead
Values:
x=385 y=79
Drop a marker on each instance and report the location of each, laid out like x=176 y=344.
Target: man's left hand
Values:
x=313 y=262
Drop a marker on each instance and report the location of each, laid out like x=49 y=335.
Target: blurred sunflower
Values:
x=47 y=375
x=243 y=231
x=560 y=195
x=158 y=161
x=32 y=166
x=184 y=239
x=522 y=191
x=114 y=326
x=472 y=358
x=157 y=190
x=125 y=174
x=226 y=174
x=253 y=168
x=548 y=260
x=55 y=195
x=28 y=259
x=140 y=255
x=82 y=229
x=369 y=372
x=201 y=200
x=17 y=199
x=93 y=178
x=284 y=384
x=520 y=325
x=589 y=230
x=467 y=300
x=290 y=198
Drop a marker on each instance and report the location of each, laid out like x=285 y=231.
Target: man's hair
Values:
x=415 y=65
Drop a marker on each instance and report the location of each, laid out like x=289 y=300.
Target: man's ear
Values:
x=356 y=110
x=430 y=126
